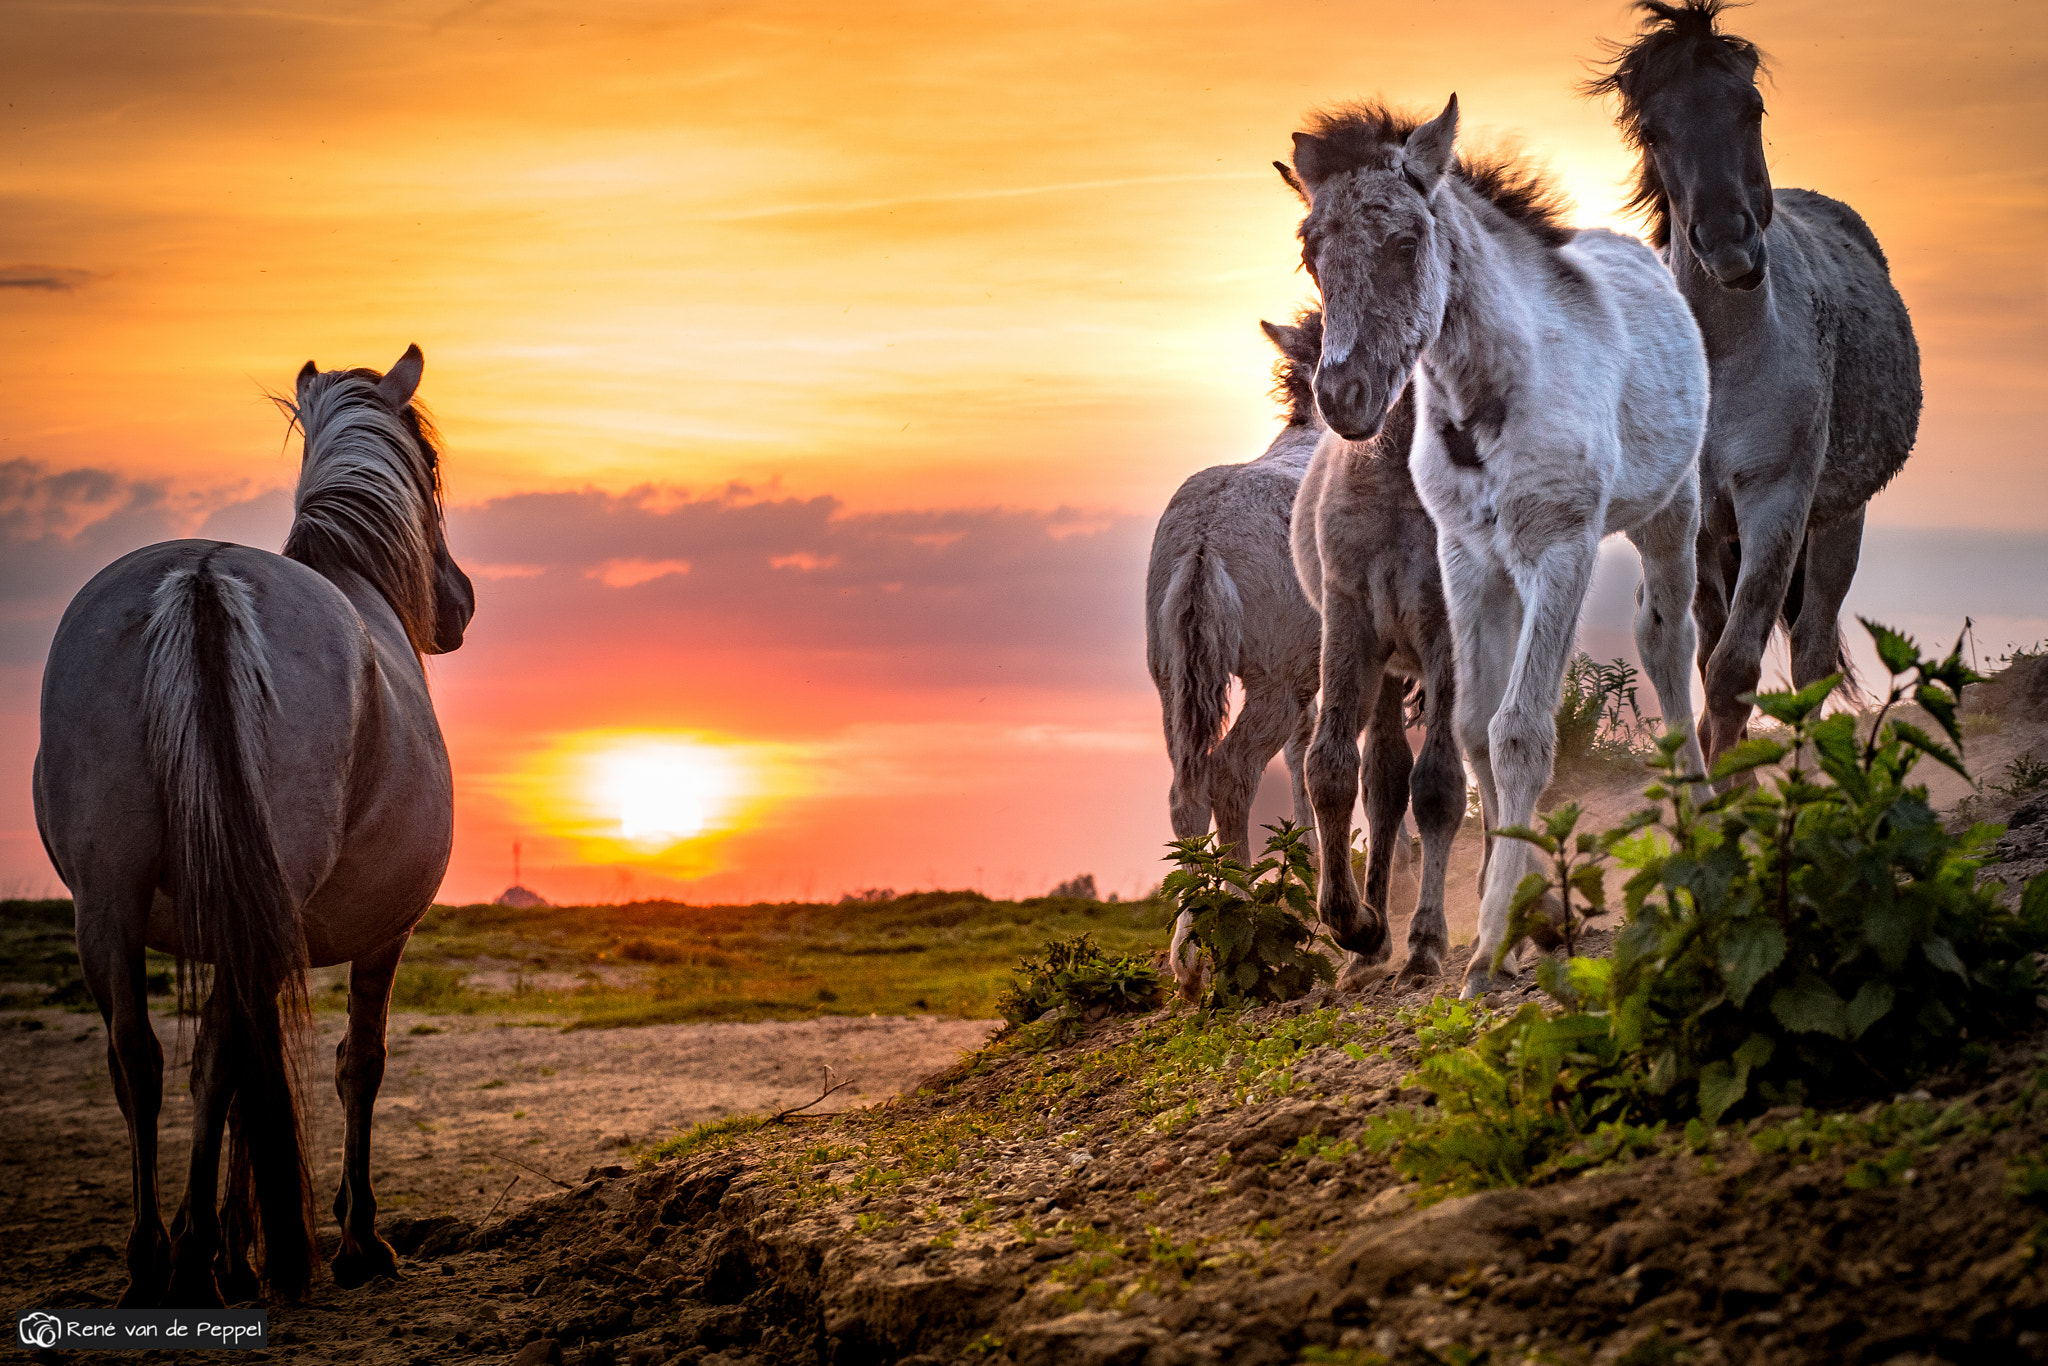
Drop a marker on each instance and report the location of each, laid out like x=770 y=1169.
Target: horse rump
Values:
x=206 y=689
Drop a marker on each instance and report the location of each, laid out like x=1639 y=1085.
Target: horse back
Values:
x=1830 y=275
x=325 y=740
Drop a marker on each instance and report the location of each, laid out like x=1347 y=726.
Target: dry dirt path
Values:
x=468 y=1103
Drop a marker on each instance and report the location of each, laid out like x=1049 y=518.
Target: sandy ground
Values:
x=468 y=1104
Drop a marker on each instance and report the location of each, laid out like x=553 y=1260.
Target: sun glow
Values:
x=665 y=793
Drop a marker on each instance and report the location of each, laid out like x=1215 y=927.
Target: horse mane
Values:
x=1294 y=378
x=1673 y=39
x=369 y=495
x=1365 y=134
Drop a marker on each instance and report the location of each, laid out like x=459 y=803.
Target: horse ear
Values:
x=1427 y=154
x=1287 y=174
x=1290 y=341
x=306 y=372
x=1309 y=159
x=402 y=380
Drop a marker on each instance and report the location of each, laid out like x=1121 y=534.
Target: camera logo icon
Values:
x=39 y=1329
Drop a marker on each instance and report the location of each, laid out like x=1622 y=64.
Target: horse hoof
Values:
x=1478 y=981
x=361 y=1265
x=1423 y=965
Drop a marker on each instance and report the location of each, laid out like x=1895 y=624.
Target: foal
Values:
x=1560 y=394
x=1221 y=600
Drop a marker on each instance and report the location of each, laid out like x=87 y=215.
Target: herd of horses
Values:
x=1482 y=396
x=240 y=763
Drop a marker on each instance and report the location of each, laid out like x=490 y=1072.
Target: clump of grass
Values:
x=422 y=986
x=1076 y=980
x=712 y=1133
x=2023 y=775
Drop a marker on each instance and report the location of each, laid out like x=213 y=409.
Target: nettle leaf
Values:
x=1756 y=1050
x=1588 y=883
x=1527 y=836
x=1873 y=1001
x=1898 y=652
x=1928 y=745
x=1811 y=1006
x=1246 y=975
x=1888 y=928
x=1794 y=707
x=1721 y=1085
x=1942 y=955
x=1749 y=953
x=2034 y=904
x=1754 y=752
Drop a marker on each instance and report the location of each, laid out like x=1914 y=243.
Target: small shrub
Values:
x=1253 y=925
x=422 y=986
x=1075 y=977
x=1080 y=888
x=2023 y=775
x=1820 y=936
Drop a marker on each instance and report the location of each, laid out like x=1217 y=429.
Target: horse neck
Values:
x=1487 y=332
x=1728 y=318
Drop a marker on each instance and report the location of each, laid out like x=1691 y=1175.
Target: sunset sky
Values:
x=813 y=375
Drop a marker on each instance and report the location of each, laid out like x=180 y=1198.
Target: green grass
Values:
x=939 y=953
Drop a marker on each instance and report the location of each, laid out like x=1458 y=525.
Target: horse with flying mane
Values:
x=1560 y=394
x=240 y=765
x=1816 y=373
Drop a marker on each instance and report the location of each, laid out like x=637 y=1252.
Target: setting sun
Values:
x=665 y=793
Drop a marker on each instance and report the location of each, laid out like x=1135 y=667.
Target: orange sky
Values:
x=986 y=276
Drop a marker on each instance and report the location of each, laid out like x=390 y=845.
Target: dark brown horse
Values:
x=240 y=765
x=1815 y=372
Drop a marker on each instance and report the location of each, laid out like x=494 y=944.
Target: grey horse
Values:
x=1365 y=552
x=240 y=765
x=1815 y=372
x=1221 y=600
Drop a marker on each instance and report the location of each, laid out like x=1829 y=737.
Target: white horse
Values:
x=1561 y=394
x=240 y=765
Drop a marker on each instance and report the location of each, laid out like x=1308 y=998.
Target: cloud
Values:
x=52 y=279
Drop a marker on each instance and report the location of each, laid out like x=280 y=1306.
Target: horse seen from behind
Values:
x=240 y=765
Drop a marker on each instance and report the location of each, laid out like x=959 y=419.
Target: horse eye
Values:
x=1406 y=246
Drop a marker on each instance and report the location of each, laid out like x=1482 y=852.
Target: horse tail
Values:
x=1201 y=625
x=207 y=686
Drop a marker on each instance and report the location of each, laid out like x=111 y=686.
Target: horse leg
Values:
x=1773 y=522
x=196 y=1232
x=1717 y=564
x=358 y=1072
x=110 y=957
x=1261 y=728
x=1486 y=618
x=1354 y=665
x=1438 y=788
x=1296 y=755
x=1664 y=622
x=1522 y=736
x=1387 y=765
x=1831 y=555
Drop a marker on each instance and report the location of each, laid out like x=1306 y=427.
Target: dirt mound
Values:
x=1136 y=1198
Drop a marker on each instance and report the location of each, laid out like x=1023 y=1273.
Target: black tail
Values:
x=207 y=690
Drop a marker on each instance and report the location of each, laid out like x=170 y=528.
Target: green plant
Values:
x=1598 y=720
x=2023 y=775
x=1817 y=936
x=1252 y=924
x=1076 y=976
x=712 y=1133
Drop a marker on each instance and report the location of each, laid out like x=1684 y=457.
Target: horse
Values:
x=1221 y=600
x=240 y=765
x=1816 y=374
x=1365 y=552
x=1560 y=394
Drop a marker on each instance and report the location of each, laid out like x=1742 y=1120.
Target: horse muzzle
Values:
x=1355 y=409
x=1734 y=265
